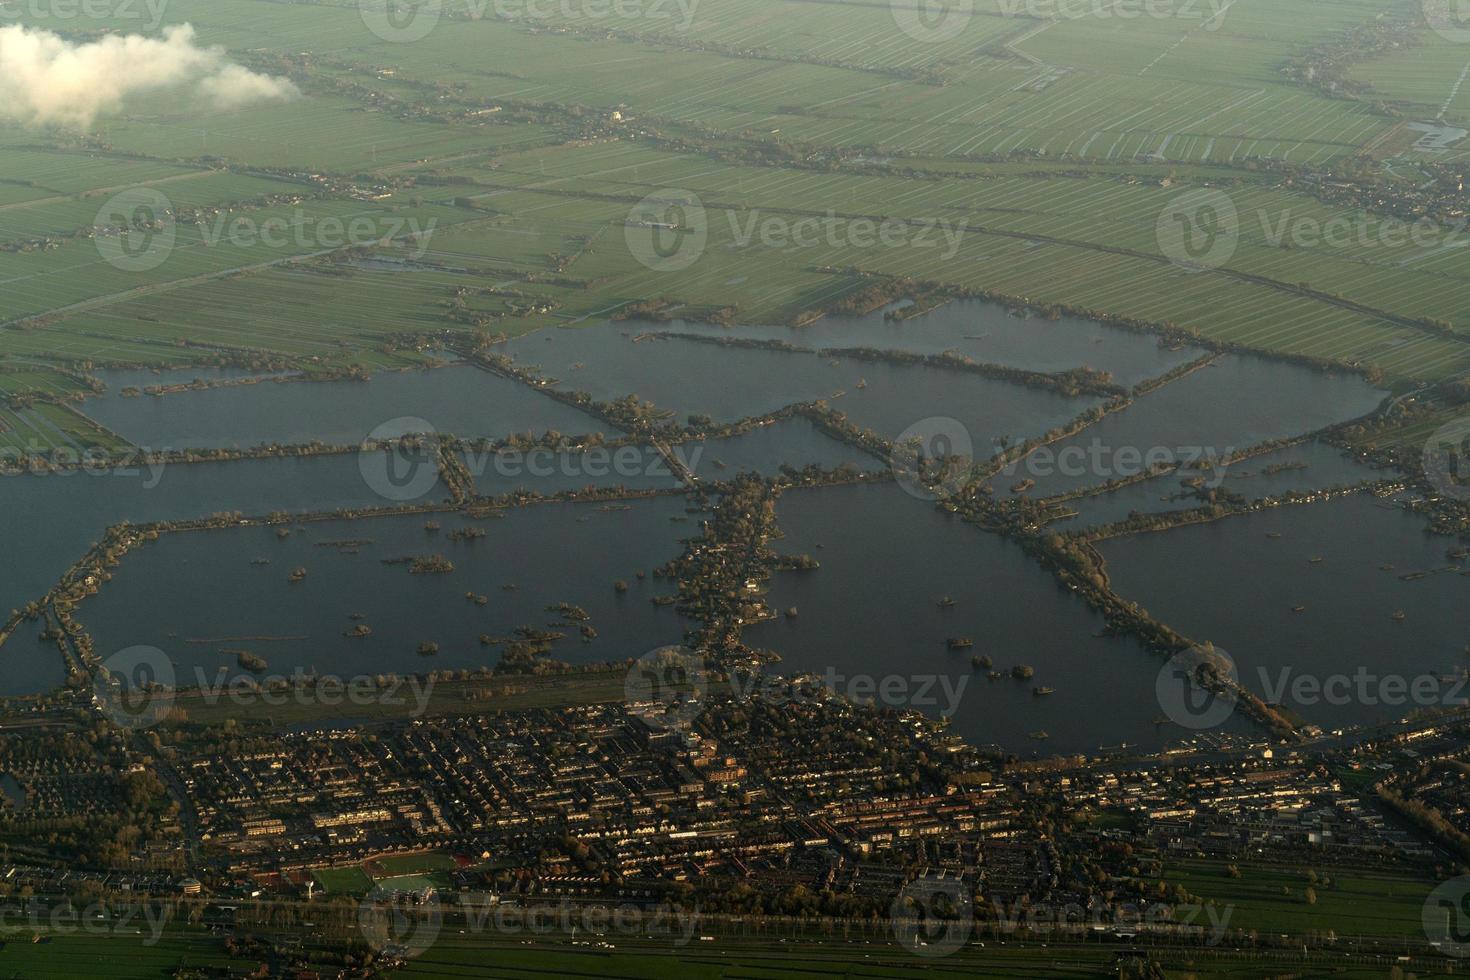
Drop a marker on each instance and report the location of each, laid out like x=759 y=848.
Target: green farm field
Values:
x=1051 y=147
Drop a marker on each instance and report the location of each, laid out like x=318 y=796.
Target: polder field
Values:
x=796 y=956
x=503 y=150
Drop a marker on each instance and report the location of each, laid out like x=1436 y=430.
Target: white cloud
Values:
x=49 y=80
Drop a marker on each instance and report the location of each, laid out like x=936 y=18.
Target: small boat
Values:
x=959 y=643
x=1042 y=692
x=946 y=603
x=1040 y=735
x=1316 y=559
x=1023 y=486
x=298 y=575
x=1273 y=535
x=861 y=384
x=1400 y=616
x=1298 y=609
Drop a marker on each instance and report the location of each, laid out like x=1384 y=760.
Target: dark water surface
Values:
x=872 y=612
x=1234 y=585
x=205 y=585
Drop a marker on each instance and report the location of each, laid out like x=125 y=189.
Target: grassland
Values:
x=1054 y=144
x=343 y=881
x=1271 y=899
x=127 y=957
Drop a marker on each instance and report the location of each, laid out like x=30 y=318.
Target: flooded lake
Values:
x=1234 y=584
x=1238 y=402
x=1309 y=466
x=688 y=377
x=795 y=442
x=459 y=400
x=49 y=521
x=873 y=611
x=986 y=332
x=208 y=586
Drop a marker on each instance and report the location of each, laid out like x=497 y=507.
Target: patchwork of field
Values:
x=504 y=162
